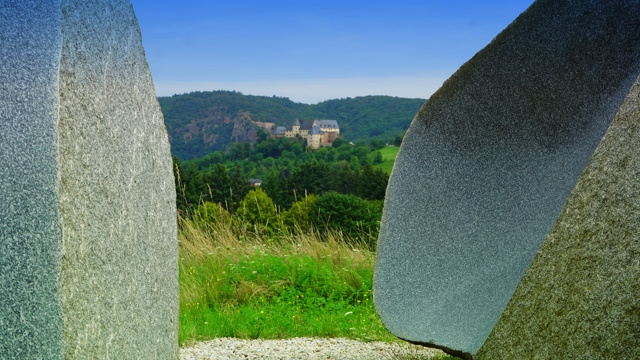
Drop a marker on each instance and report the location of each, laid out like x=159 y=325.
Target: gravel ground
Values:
x=303 y=348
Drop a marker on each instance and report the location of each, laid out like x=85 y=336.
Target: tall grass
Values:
x=244 y=281
x=239 y=281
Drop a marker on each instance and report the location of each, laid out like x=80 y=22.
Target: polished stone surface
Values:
x=579 y=298
x=489 y=162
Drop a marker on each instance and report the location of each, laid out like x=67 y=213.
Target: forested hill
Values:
x=201 y=122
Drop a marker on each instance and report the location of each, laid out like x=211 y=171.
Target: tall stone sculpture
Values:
x=485 y=170
x=88 y=249
x=579 y=299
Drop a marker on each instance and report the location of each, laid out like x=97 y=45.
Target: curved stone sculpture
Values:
x=88 y=247
x=489 y=162
x=579 y=298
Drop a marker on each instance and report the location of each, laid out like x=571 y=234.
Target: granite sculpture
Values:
x=486 y=168
x=579 y=298
x=88 y=245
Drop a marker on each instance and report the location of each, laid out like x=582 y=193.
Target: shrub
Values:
x=377 y=144
x=210 y=216
x=347 y=213
x=298 y=215
x=257 y=209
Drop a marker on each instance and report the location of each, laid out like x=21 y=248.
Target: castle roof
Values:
x=333 y=124
x=279 y=130
x=315 y=130
x=306 y=124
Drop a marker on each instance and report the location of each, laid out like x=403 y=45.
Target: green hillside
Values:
x=389 y=154
x=202 y=122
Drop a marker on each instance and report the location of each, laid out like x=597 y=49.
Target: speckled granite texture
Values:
x=119 y=281
x=489 y=162
x=89 y=253
x=580 y=298
x=30 y=231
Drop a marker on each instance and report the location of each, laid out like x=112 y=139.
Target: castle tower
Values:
x=296 y=127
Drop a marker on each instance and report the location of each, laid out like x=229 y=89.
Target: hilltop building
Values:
x=265 y=125
x=317 y=132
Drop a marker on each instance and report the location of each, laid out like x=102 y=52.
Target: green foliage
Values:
x=188 y=184
x=312 y=302
x=258 y=209
x=209 y=216
x=347 y=213
x=181 y=200
x=377 y=159
x=397 y=141
x=214 y=185
x=373 y=183
x=297 y=217
x=297 y=148
x=276 y=185
x=202 y=122
x=369 y=117
x=312 y=178
x=302 y=285
x=287 y=177
x=239 y=186
x=374 y=158
x=377 y=144
x=389 y=154
x=235 y=282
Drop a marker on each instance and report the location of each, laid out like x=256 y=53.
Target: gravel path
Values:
x=303 y=348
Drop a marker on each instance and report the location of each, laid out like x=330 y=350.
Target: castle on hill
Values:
x=317 y=132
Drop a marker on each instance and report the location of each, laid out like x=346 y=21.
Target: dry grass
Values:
x=214 y=248
x=232 y=241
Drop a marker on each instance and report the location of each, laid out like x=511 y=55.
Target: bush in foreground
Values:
x=349 y=214
x=258 y=210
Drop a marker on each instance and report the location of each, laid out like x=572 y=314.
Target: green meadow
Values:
x=238 y=280
x=247 y=275
x=389 y=154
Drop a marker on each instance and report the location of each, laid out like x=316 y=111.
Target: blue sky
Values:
x=312 y=51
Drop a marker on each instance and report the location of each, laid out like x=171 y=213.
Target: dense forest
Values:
x=336 y=186
x=200 y=123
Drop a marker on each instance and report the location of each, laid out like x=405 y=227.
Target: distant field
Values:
x=388 y=158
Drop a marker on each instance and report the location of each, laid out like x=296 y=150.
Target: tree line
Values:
x=287 y=169
x=333 y=187
x=216 y=184
x=206 y=115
